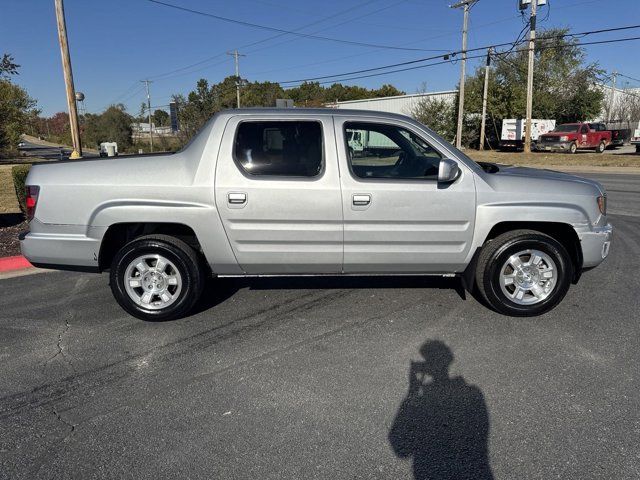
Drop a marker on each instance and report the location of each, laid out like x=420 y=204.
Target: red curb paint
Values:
x=8 y=264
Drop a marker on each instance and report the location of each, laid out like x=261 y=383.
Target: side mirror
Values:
x=448 y=171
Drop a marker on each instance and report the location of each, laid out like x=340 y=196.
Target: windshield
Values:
x=570 y=128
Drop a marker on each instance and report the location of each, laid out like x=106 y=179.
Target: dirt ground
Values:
x=557 y=160
x=11 y=225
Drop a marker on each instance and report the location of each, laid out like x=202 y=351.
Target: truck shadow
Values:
x=218 y=290
x=443 y=423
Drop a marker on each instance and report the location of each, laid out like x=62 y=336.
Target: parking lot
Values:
x=307 y=378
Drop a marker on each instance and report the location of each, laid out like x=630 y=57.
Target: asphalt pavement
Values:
x=309 y=378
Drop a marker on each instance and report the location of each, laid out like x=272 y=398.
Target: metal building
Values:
x=402 y=104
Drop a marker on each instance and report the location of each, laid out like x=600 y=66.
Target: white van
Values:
x=108 y=149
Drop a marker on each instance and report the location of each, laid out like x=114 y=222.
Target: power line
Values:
x=289 y=32
x=469 y=58
x=455 y=53
x=629 y=78
x=451 y=32
x=208 y=59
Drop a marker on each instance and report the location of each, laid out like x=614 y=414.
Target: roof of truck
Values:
x=297 y=111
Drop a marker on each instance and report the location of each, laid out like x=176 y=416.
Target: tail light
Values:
x=31 y=200
x=602 y=204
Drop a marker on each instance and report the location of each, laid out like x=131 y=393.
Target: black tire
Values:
x=180 y=254
x=637 y=148
x=496 y=252
x=573 y=148
x=601 y=147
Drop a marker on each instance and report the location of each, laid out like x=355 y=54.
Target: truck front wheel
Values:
x=523 y=273
x=156 y=277
x=573 y=148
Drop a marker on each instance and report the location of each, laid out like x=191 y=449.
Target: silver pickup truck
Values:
x=285 y=192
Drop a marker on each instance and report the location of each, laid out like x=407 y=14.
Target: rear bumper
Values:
x=61 y=251
x=596 y=245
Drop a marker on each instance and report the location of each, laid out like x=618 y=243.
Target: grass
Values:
x=545 y=159
x=8 y=200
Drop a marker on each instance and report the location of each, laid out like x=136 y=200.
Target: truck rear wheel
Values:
x=523 y=273
x=601 y=147
x=156 y=277
x=573 y=148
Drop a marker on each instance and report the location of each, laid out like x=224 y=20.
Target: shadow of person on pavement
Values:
x=443 y=423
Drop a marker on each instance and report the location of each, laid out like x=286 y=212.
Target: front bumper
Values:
x=554 y=146
x=596 y=245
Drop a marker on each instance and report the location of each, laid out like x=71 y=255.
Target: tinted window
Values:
x=387 y=151
x=569 y=128
x=584 y=129
x=279 y=148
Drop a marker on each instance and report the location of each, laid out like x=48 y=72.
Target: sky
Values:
x=116 y=43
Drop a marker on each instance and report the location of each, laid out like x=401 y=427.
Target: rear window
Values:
x=290 y=149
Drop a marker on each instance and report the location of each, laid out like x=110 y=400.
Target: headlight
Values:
x=564 y=138
x=602 y=204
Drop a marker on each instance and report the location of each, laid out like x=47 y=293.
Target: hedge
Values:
x=19 y=174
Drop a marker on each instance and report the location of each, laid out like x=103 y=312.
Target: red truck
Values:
x=569 y=137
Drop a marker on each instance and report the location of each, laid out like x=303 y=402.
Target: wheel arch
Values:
x=119 y=234
x=564 y=233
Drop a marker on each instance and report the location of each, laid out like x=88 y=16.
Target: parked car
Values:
x=571 y=137
x=513 y=132
x=280 y=192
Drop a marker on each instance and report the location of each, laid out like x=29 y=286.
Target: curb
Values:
x=10 y=264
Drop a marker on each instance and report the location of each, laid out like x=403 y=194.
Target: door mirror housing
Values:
x=448 y=171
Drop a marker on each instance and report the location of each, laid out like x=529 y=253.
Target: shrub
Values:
x=19 y=174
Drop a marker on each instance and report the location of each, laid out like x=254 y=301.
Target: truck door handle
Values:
x=361 y=199
x=237 y=198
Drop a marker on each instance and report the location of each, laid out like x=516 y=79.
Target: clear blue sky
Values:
x=115 y=43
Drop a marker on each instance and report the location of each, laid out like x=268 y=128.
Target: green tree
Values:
x=160 y=118
x=7 y=66
x=565 y=89
x=564 y=84
x=113 y=125
x=17 y=112
x=438 y=115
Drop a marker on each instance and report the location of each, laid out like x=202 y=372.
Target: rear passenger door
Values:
x=277 y=190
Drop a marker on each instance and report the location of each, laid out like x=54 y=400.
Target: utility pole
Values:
x=235 y=55
x=147 y=82
x=532 y=47
x=484 y=98
x=614 y=78
x=466 y=4
x=68 y=80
